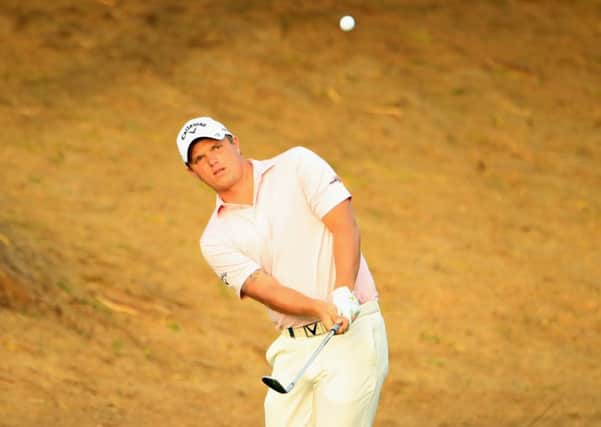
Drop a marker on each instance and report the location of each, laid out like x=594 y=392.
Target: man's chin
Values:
x=222 y=186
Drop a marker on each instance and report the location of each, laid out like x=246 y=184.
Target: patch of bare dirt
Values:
x=469 y=134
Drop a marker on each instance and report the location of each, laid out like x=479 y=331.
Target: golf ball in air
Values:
x=347 y=23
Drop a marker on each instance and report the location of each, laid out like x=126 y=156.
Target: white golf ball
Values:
x=347 y=23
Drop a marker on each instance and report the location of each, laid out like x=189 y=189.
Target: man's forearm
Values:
x=263 y=287
x=347 y=254
x=347 y=243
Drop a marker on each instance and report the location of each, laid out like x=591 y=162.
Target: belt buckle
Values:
x=311 y=328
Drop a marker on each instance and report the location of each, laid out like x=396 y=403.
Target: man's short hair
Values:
x=193 y=143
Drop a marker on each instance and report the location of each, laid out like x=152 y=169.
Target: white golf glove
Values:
x=347 y=304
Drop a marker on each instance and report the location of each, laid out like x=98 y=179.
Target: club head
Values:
x=274 y=384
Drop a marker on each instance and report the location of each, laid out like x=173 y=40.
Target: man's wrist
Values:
x=318 y=308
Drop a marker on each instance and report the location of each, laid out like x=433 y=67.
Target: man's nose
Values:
x=211 y=159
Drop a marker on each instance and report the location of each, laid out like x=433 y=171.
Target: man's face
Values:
x=217 y=163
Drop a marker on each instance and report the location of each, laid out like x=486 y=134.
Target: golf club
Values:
x=274 y=384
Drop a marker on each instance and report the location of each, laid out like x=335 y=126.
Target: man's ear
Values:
x=236 y=142
x=189 y=169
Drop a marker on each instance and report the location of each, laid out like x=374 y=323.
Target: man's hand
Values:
x=328 y=314
x=346 y=303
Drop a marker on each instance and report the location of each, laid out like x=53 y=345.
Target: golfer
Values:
x=283 y=232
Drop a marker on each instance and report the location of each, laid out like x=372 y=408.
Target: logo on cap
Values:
x=191 y=128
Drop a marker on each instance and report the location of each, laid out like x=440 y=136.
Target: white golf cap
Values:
x=200 y=127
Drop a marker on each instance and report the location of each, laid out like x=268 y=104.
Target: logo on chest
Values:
x=223 y=278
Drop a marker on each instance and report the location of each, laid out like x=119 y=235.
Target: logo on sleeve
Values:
x=223 y=278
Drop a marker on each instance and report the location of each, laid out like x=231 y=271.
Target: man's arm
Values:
x=264 y=288
x=340 y=220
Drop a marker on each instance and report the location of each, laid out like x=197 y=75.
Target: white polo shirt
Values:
x=282 y=232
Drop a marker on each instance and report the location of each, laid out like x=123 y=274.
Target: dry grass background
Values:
x=468 y=132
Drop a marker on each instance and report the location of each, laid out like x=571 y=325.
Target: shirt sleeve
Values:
x=230 y=265
x=322 y=187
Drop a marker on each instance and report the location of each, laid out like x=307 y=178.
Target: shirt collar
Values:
x=259 y=169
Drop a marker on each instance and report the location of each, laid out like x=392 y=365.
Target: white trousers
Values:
x=341 y=388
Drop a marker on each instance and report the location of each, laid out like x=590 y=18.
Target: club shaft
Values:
x=313 y=356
